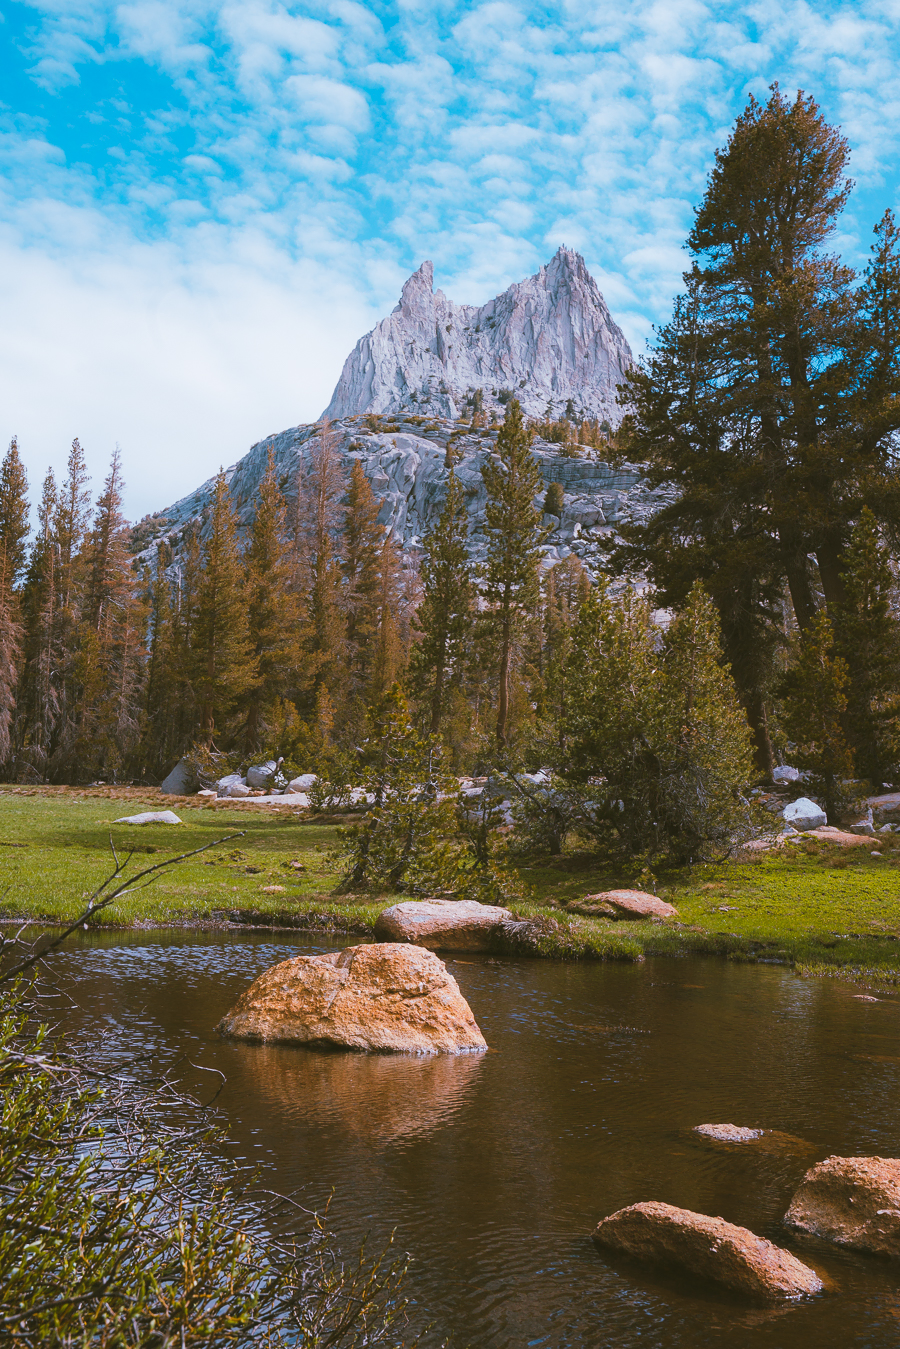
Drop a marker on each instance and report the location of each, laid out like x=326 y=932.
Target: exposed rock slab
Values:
x=381 y=997
x=623 y=904
x=441 y=924
x=709 y=1248
x=548 y=339
x=150 y=817
x=852 y=1201
x=842 y=838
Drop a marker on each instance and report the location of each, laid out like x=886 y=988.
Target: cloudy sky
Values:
x=204 y=204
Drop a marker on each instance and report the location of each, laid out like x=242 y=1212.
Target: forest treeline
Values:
x=771 y=401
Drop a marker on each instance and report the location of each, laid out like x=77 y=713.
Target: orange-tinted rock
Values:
x=852 y=1201
x=442 y=924
x=385 y=997
x=709 y=1248
x=623 y=904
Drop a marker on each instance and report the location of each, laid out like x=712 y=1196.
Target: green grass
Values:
x=821 y=909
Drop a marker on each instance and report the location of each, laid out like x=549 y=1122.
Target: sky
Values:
x=204 y=205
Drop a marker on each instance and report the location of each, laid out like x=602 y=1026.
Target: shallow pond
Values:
x=494 y=1169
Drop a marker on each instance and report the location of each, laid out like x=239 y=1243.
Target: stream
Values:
x=492 y=1170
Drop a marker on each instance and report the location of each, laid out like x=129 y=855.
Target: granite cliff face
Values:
x=548 y=340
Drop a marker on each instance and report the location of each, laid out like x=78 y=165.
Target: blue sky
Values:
x=203 y=205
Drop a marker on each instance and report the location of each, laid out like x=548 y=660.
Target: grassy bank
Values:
x=824 y=910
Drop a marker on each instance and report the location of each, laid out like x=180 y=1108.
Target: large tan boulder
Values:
x=708 y=1247
x=385 y=997
x=442 y=924
x=623 y=904
x=852 y=1201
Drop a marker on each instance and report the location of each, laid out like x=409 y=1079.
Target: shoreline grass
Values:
x=820 y=910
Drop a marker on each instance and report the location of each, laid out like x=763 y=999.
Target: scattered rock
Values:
x=273 y=890
x=864 y=826
x=226 y=782
x=804 y=814
x=728 y=1133
x=828 y=833
x=150 y=817
x=209 y=793
x=383 y=997
x=261 y=774
x=442 y=924
x=852 y=1201
x=623 y=904
x=885 y=807
x=785 y=773
x=182 y=781
x=304 y=783
x=237 y=789
x=708 y=1247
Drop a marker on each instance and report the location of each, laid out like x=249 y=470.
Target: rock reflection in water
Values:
x=382 y=1098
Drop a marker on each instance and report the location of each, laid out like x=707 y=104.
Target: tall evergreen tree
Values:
x=271 y=605
x=363 y=544
x=224 y=668
x=445 y=618
x=513 y=528
x=317 y=518
x=752 y=404
x=867 y=638
x=10 y=656
x=39 y=697
x=815 y=700
x=14 y=526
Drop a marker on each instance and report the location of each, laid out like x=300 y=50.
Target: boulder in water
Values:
x=728 y=1133
x=709 y=1248
x=852 y=1201
x=383 y=997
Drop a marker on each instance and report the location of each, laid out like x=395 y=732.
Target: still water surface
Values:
x=494 y=1169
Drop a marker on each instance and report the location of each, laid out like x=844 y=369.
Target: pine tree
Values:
x=10 y=656
x=271 y=604
x=363 y=542
x=224 y=668
x=867 y=638
x=701 y=738
x=317 y=572
x=815 y=700
x=389 y=652
x=445 y=618
x=14 y=526
x=39 y=696
x=108 y=648
x=513 y=529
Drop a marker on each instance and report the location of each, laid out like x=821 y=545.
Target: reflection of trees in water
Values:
x=378 y=1097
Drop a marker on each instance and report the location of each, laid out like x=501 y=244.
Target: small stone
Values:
x=273 y=890
x=150 y=817
x=785 y=773
x=238 y=789
x=709 y=1248
x=852 y=1201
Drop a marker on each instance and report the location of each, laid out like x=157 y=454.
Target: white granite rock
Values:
x=182 y=781
x=150 y=817
x=804 y=814
x=261 y=774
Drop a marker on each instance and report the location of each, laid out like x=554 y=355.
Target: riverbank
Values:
x=822 y=909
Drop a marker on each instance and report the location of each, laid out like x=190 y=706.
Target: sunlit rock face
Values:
x=547 y=340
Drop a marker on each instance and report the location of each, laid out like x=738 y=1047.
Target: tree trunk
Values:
x=503 y=699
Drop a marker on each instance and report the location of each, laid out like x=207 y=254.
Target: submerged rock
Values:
x=852 y=1201
x=708 y=1247
x=623 y=904
x=728 y=1133
x=150 y=817
x=442 y=924
x=382 y=997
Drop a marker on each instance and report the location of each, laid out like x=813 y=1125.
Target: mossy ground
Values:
x=822 y=909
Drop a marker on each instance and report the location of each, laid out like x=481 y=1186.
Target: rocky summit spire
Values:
x=548 y=340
